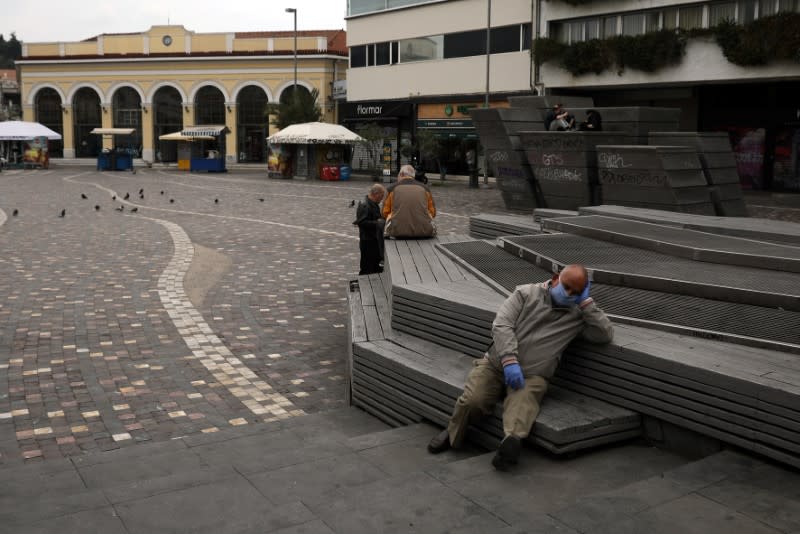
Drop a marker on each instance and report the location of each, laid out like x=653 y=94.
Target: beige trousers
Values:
x=485 y=386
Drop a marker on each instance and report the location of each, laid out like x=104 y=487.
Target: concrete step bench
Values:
x=681 y=242
x=746 y=396
x=490 y=226
x=402 y=379
x=782 y=232
x=626 y=266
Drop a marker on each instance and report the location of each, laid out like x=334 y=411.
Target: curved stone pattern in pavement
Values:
x=206 y=347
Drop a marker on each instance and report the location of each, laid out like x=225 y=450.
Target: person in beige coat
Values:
x=408 y=208
x=530 y=332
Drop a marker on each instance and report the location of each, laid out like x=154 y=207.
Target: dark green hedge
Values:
x=768 y=39
x=649 y=52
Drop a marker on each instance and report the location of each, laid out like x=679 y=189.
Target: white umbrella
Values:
x=24 y=131
x=310 y=133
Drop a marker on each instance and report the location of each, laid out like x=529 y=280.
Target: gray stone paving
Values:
x=129 y=403
x=100 y=345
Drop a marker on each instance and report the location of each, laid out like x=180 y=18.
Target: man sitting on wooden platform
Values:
x=409 y=208
x=530 y=331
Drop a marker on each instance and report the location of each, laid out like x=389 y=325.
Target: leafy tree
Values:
x=373 y=144
x=300 y=107
x=10 y=50
x=430 y=148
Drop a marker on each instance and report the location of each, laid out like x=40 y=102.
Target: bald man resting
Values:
x=531 y=330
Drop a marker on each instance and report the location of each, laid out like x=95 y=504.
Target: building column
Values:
x=148 y=142
x=28 y=113
x=231 y=121
x=107 y=121
x=188 y=114
x=68 y=136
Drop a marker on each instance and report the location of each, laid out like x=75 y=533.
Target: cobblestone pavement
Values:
x=206 y=309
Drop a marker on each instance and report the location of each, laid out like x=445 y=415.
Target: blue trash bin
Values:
x=344 y=172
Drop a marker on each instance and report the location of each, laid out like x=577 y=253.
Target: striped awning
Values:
x=113 y=131
x=209 y=130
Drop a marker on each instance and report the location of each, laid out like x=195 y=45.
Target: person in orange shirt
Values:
x=409 y=208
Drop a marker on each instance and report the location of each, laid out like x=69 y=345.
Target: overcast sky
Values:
x=75 y=20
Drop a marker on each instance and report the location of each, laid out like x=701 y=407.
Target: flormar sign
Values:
x=375 y=110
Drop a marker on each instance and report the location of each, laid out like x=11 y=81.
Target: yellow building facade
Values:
x=168 y=78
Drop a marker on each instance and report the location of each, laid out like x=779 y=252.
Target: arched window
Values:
x=209 y=106
x=48 y=112
x=127 y=106
x=86 y=117
x=252 y=129
x=286 y=95
x=167 y=118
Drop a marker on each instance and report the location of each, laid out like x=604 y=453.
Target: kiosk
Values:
x=114 y=159
x=24 y=144
x=211 y=156
x=315 y=150
x=188 y=147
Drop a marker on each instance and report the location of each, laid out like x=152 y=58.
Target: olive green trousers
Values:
x=485 y=386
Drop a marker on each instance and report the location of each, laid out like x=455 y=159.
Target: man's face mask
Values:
x=560 y=297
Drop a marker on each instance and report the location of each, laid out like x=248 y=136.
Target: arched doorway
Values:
x=209 y=105
x=127 y=106
x=286 y=95
x=167 y=118
x=48 y=112
x=252 y=130
x=86 y=117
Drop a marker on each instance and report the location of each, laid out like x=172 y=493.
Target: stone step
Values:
x=724 y=492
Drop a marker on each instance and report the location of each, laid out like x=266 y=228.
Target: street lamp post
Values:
x=293 y=11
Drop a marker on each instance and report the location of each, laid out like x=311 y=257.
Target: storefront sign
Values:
x=375 y=110
x=340 y=90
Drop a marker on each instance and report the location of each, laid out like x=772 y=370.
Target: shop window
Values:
x=788 y=5
x=721 y=12
x=505 y=39
x=559 y=32
x=382 y=54
x=670 y=19
x=358 y=56
x=421 y=48
x=395 y=52
x=465 y=44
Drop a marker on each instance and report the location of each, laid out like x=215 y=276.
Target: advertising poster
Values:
x=748 y=150
x=36 y=153
x=786 y=168
x=279 y=161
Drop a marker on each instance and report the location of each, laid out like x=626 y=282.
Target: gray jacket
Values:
x=527 y=327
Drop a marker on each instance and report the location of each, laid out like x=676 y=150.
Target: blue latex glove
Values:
x=585 y=294
x=513 y=375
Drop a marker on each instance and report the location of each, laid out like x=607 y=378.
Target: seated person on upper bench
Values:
x=409 y=208
x=530 y=331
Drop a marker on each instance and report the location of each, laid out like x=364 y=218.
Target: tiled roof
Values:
x=337 y=39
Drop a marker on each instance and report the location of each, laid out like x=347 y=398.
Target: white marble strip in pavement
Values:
x=206 y=347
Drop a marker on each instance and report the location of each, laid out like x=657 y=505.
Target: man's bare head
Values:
x=573 y=277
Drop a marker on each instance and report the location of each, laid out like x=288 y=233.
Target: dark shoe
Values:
x=507 y=454
x=440 y=442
